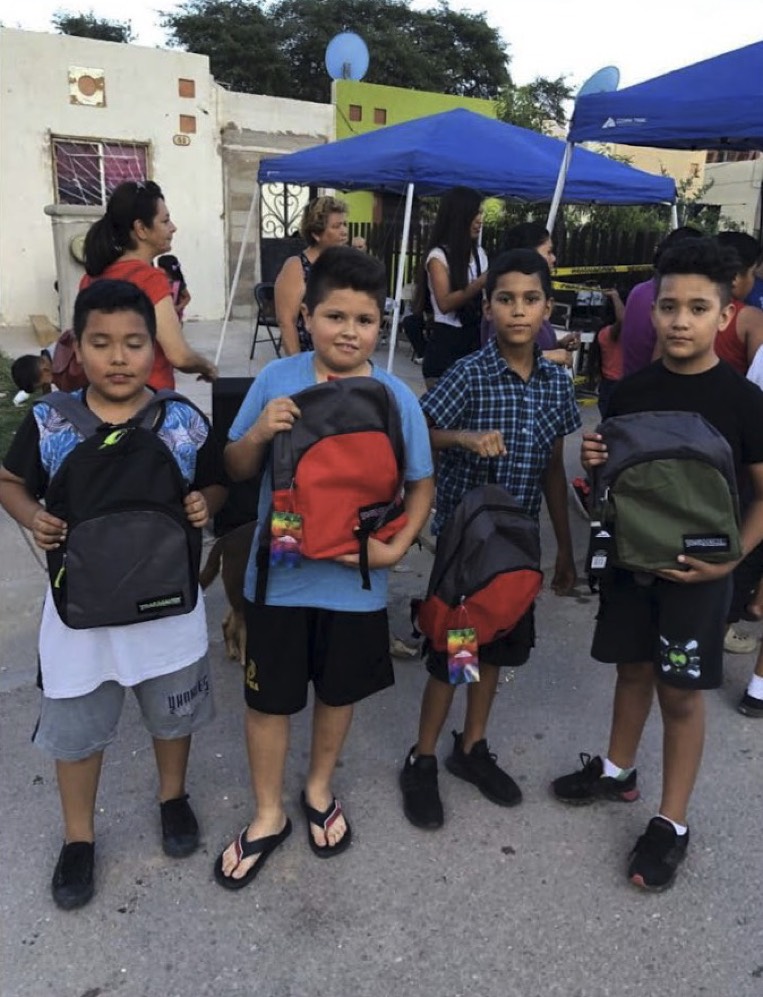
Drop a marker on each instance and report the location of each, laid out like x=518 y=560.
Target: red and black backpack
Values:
x=341 y=469
x=486 y=572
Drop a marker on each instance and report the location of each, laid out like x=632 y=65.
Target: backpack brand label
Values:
x=697 y=543
x=160 y=602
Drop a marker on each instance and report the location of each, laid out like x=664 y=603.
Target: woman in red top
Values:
x=121 y=246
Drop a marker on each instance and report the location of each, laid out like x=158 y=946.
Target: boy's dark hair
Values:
x=527 y=235
x=703 y=257
x=343 y=267
x=526 y=261
x=680 y=234
x=113 y=296
x=747 y=249
x=25 y=372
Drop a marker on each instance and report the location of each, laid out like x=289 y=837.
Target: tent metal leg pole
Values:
x=559 y=189
x=237 y=274
x=400 y=276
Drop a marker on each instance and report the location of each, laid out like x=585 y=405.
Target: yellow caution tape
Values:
x=615 y=268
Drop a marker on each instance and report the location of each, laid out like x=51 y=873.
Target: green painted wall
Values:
x=399 y=105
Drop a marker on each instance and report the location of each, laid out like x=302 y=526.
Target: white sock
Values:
x=680 y=829
x=755 y=688
x=613 y=771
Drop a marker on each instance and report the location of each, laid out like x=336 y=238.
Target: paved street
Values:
x=529 y=902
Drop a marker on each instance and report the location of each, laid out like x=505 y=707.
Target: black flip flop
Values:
x=245 y=849
x=324 y=819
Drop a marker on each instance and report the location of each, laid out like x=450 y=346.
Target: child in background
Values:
x=84 y=673
x=610 y=350
x=30 y=374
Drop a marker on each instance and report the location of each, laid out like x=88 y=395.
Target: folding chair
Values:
x=264 y=300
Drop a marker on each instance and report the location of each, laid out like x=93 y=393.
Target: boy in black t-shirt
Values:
x=640 y=624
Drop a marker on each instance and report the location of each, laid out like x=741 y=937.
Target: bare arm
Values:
x=289 y=290
x=554 y=485
x=447 y=299
x=169 y=334
x=48 y=531
x=201 y=505
x=418 y=502
x=485 y=443
x=244 y=457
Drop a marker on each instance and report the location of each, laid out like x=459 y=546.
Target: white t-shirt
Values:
x=450 y=318
x=755 y=371
x=74 y=662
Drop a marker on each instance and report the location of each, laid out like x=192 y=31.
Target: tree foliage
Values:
x=89 y=26
x=278 y=48
x=535 y=105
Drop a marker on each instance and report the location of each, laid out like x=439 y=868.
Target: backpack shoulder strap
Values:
x=146 y=417
x=74 y=411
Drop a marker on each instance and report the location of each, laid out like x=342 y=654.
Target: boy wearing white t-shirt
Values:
x=84 y=672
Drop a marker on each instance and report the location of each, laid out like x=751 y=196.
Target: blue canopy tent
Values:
x=432 y=154
x=713 y=104
x=460 y=147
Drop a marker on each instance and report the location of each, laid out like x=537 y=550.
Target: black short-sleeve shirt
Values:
x=723 y=397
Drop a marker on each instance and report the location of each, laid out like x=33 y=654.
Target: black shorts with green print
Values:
x=678 y=627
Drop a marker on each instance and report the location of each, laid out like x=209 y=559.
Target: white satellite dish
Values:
x=347 y=57
x=604 y=80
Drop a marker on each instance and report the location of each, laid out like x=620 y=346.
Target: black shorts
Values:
x=509 y=651
x=678 y=627
x=344 y=655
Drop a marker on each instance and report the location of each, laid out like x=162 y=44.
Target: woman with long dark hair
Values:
x=455 y=270
x=121 y=246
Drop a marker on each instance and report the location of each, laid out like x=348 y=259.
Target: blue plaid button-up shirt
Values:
x=481 y=392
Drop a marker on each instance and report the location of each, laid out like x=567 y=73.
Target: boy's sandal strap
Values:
x=245 y=849
x=322 y=818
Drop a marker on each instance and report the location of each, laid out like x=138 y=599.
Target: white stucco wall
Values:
x=142 y=105
x=737 y=189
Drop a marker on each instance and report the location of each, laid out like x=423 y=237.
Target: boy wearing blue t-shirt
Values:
x=84 y=672
x=317 y=623
x=500 y=414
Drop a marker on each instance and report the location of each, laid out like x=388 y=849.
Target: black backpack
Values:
x=486 y=572
x=130 y=554
x=668 y=487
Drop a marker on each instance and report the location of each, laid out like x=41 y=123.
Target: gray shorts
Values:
x=172 y=706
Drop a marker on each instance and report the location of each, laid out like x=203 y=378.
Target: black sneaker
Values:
x=750 y=706
x=72 y=883
x=421 y=797
x=180 y=829
x=656 y=856
x=590 y=783
x=480 y=768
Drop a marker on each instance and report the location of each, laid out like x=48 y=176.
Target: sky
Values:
x=545 y=37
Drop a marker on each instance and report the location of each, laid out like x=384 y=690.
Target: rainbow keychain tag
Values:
x=463 y=656
x=285 y=539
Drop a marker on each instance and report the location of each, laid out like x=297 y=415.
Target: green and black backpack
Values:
x=668 y=487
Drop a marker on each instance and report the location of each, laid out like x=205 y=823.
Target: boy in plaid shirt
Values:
x=502 y=412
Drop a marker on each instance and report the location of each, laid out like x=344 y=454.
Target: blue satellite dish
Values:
x=347 y=57
x=604 y=80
